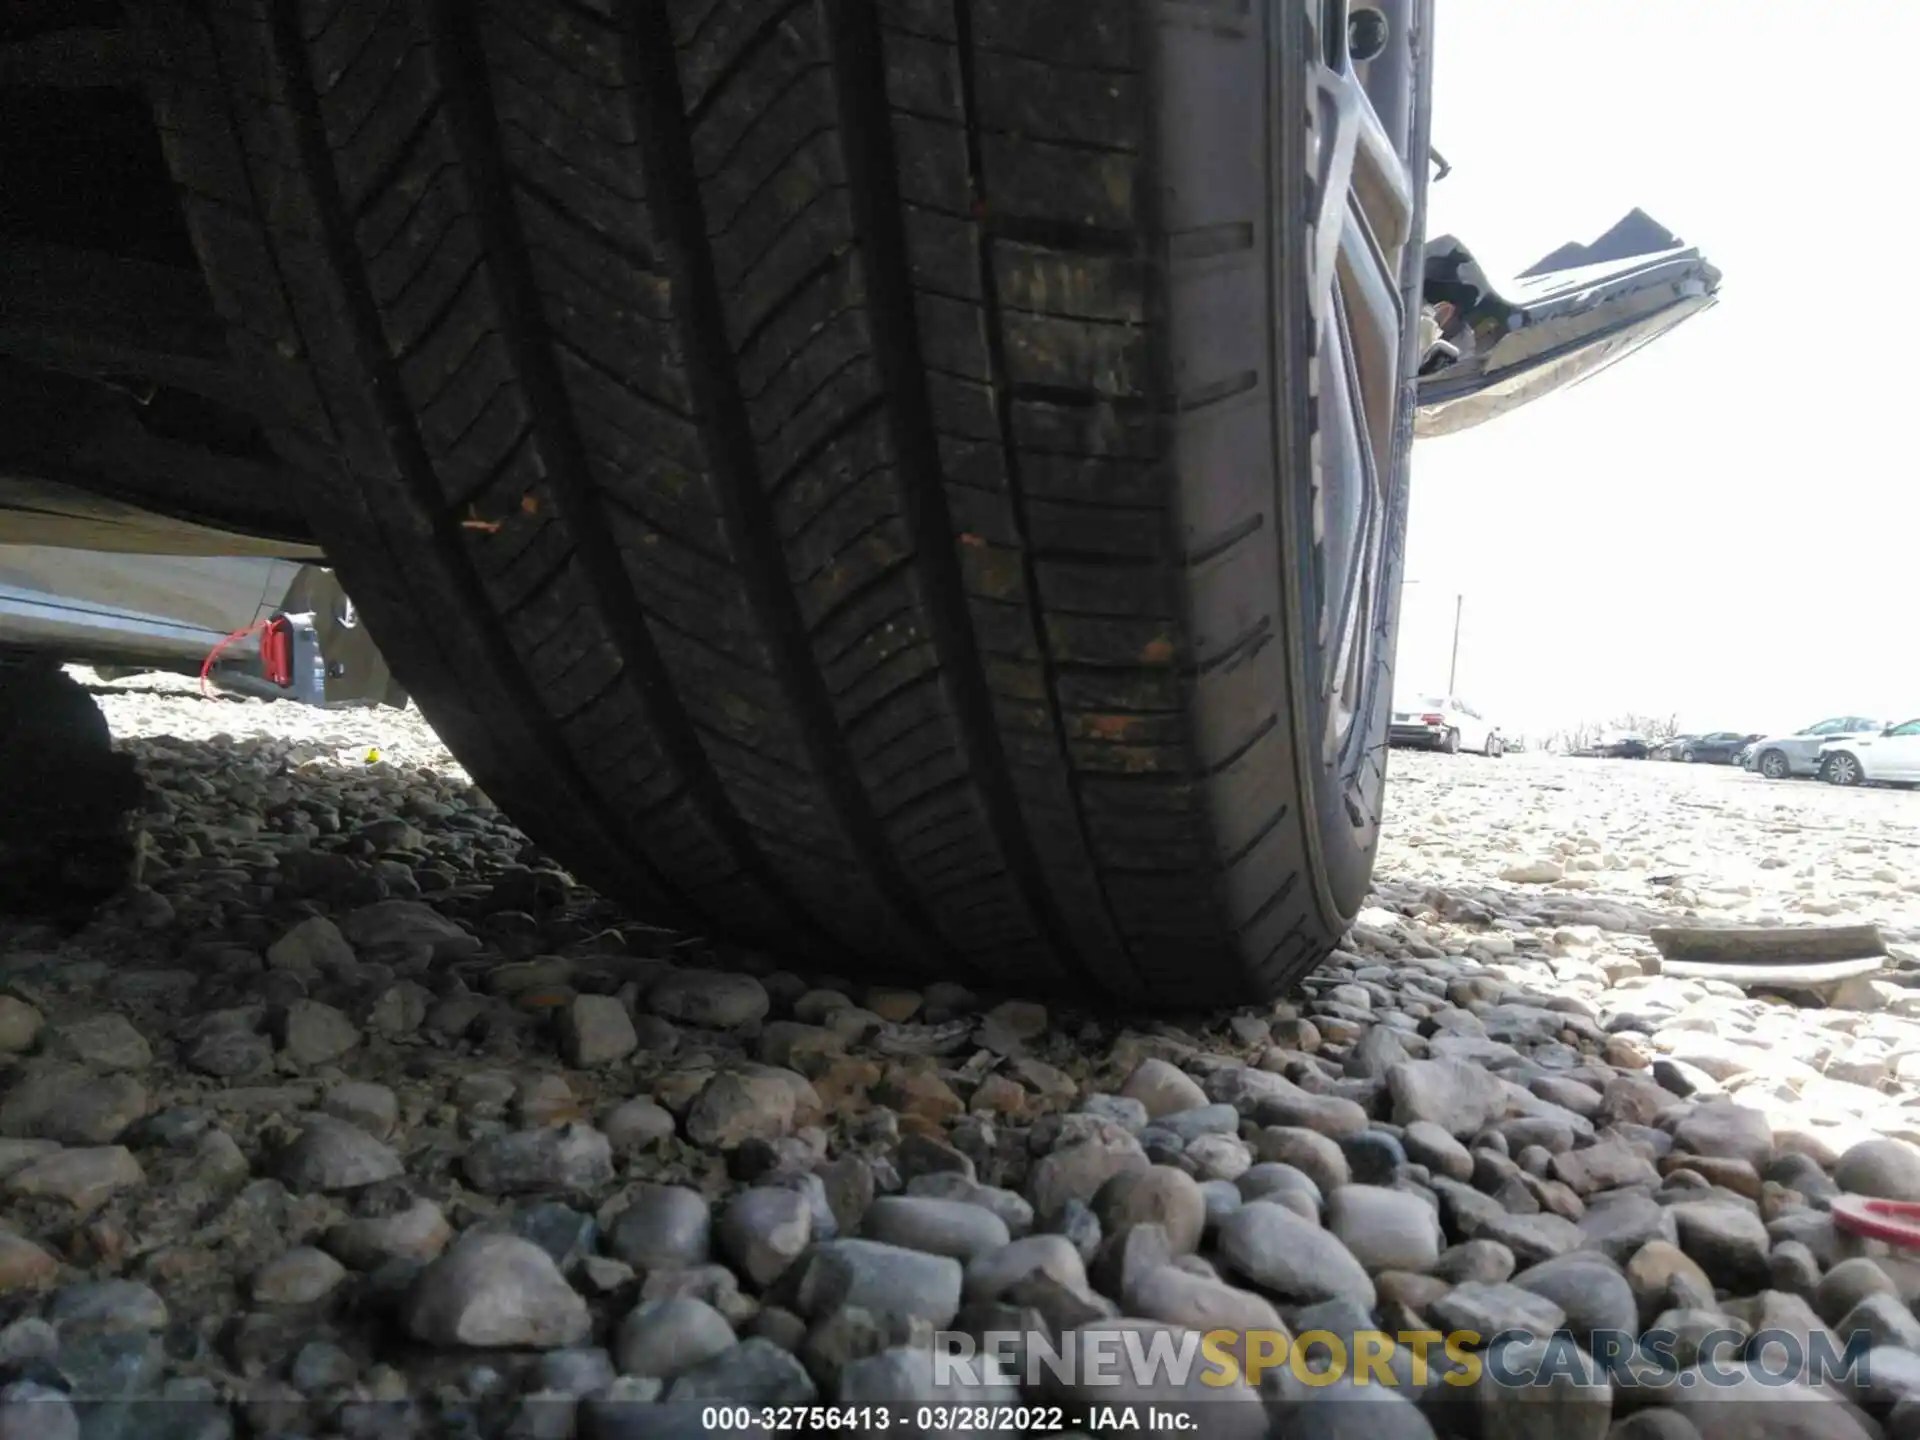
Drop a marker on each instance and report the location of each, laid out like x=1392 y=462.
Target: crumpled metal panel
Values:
x=1564 y=319
x=1580 y=358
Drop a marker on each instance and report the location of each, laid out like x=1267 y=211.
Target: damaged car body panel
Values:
x=1488 y=349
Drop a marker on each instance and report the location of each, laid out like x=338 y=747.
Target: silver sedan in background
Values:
x=1779 y=756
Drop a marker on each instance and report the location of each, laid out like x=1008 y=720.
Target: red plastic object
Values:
x=276 y=651
x=1895 y=1221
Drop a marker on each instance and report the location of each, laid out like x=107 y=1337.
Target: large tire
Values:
x=840 y=474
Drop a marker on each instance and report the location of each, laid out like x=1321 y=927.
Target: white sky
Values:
x=1725 y=524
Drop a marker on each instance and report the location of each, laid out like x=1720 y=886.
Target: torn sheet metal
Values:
x=1566 y=318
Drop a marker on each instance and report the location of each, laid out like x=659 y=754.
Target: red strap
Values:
x=1895 y=1221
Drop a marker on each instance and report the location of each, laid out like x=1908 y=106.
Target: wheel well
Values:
x=114 y=372
x=68 y=137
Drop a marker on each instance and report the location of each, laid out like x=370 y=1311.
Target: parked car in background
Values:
x=1890 y=758
x=1669 y=749
x=1623 y=745
x=1716 y=747
x=259 y=625
x=1447 y=724
x=1780 y=756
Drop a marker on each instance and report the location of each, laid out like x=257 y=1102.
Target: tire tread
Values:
x=755 y=436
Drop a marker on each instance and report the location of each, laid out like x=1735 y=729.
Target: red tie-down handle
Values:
x=1895 y=1221
x=276 y=651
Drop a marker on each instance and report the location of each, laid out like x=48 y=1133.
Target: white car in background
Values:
x=1445 y=723
x=1779 y=756
x=1892 y=757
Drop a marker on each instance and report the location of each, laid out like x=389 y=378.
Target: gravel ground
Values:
x=360 y=1118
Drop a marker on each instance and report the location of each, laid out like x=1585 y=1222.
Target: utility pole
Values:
x=1453 y=665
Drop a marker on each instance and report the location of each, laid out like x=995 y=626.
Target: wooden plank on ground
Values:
x=1768 y=945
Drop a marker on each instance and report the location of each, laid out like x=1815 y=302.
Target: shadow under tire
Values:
x=843 y=475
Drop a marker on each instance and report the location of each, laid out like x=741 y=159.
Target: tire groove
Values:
x=495 y=468
x=540 y=142
x=370 y=105
x=404 y=427
x=618 y=502
x=867 y=124
x=458 y=52
x=398 y=229
x=640 y=398
x=318 y=30
x=830 y=659
x=626 y=387
x=571 y=269
x=847 y=425
x=747 y=514
x=1269 y=905
x=509 y=20
x=862 y=588
x=749 y=269
x=334 y=223
x=822 y=332
x=344 y=65
x=537 y=589
x=744 y=51
x=799 y=77
x=390 y=171
x=531 y=187
x=561 y=84
x=799 y=407
x=418 y=260
x=798 y=290
x=1002 y=390
x=829 y=501
x=879 y=752
x=458 y=289
x=769 y=180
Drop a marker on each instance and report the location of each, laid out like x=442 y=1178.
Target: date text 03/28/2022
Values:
x=946 y=1419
